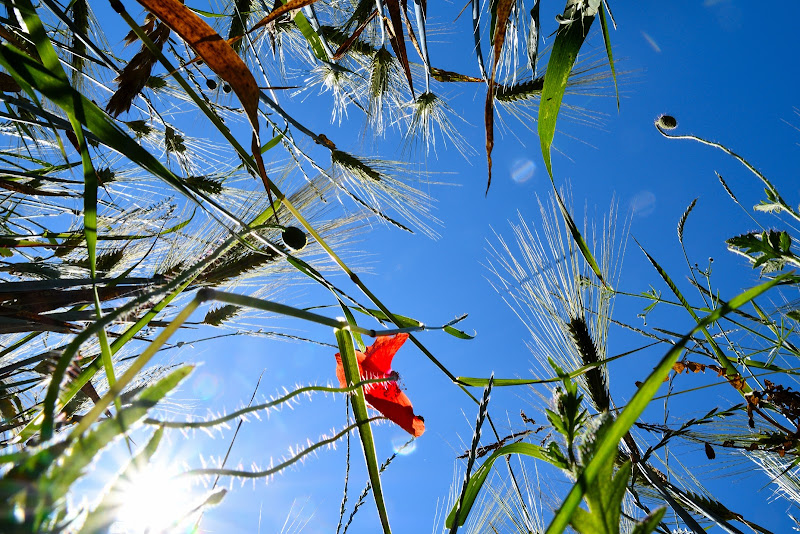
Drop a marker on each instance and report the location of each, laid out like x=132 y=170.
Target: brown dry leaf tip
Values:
x=133 y=78
x=736 y=381
x=323 y=140
x=397 y=39
x=342 y=50
x=678 y=367
x=503 y=11
x=212 y=49
x=291 y=5
x=696 y=367
x=441 y=75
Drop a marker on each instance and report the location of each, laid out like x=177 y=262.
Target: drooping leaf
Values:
x=567 y=44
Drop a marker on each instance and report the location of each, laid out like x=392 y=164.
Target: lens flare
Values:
x=522 y=170
x=399 y=446
x=643 y=204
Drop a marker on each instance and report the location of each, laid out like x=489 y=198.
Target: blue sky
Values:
x=723 y=68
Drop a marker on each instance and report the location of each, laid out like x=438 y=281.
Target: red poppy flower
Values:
x=386 y=397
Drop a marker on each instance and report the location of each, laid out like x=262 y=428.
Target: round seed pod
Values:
x=211 y=84
x=667 y=122
x=226 y=88
x=294 y=238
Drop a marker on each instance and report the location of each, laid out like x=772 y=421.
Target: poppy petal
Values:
x=379 y=356
x=399 y=411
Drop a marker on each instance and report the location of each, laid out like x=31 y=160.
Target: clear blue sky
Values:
x=726 y=69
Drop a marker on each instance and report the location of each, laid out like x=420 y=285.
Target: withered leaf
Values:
x=503 y=11
x=212 y=49
x=397 y=39
x=342 y=50
x=695 y=367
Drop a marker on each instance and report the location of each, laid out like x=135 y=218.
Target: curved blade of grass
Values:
x=51 y=62
x=608 y=446
x=607 y=41
x=483 y=382
x=83 y=452
x=577 y=236
x=566 y=46
x=359 y=404
x=476 y=480
x=723 y=360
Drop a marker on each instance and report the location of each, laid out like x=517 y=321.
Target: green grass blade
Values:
x=607 y=41
x=562 y=57
x=311 y=36
x=577 y=236
x=51 y=62
x=608 y=446
x=359 y=404
x=479 y=477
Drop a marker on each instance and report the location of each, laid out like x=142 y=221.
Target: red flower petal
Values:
x=386 y=397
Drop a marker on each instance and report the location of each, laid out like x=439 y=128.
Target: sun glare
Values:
x=156 y=500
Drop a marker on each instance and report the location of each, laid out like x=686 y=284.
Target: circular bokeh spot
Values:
x=643 y=203
x=398 y=442
x=206 y=386
x=522 y=170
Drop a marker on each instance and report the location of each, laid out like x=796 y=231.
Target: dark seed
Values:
x=226 y=88
x=211 y=84
x=294 y=238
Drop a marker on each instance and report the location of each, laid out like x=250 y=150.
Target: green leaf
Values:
x=569 y=39
x=607 y=41
x=577 y=237
x=311 y=36
x=479 y=477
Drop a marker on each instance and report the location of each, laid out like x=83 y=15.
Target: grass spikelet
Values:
x=595 y=378
x=685 y=216
x=427 y=112
x=217 y=316
x=371 y=183
x=136 y=74
x=204 y=184
x=473 y=450
x=80 y=18
x=382 y=70
x=519 y=91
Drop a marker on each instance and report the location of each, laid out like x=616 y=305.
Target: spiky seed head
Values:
x=667 y=122
x=294 y=238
